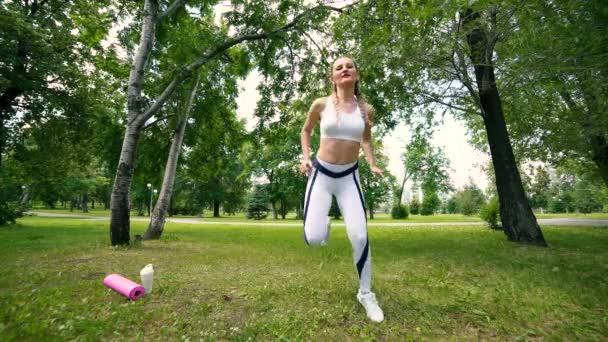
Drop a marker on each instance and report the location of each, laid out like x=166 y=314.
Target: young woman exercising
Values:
x=345 y=123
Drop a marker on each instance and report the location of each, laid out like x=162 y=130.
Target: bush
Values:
x=9 y=212
x=490 y=213
x=556 y=206
x=452 y=206
x=400 y=212
x=605 y=210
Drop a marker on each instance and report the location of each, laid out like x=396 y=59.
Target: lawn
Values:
x=291 y=217
x=263 y=283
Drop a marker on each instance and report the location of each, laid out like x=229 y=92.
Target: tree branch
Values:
x=171 y=9
x=200 y=61
x=432 y=99
x=157 y=120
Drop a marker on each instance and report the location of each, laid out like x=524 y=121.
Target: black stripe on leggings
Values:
x=314 y=177
x=363 y=258
x=360 y=196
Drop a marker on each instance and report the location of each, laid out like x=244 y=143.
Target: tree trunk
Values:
x=25 y=197
x=92 y=203
x=275 y=215
x=85 y=203
x=518 y=220
x=159 y=215
x=371 y=211
x=119 y=202
x=216 y=208
x=3 y=134
x=283 y=211
x=405 y=177
x=600 y=155
x=8 y=97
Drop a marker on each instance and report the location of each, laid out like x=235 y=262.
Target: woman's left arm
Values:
x=367 y=141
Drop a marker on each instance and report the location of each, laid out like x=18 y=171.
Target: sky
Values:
x=452 y=136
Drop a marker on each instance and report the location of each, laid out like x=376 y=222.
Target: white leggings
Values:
x=342 y=181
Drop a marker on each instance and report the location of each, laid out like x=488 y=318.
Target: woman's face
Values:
x=344 y=72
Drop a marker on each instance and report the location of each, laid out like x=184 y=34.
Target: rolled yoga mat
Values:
x=124 y=286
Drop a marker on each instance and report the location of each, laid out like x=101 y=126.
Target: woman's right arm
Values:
x=314 y=115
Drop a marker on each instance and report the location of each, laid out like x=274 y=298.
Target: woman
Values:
x=345 y=123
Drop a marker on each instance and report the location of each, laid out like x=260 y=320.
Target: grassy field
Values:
x=261 y=283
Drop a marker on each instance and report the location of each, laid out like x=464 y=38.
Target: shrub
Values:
x=490 y=213
x=400 y=212
x=9 y=212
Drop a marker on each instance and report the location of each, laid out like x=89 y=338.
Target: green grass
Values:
x=603 y=216
x=263 y=283
x=378 y=217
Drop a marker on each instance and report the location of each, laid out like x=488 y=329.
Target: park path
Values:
x=544 y=222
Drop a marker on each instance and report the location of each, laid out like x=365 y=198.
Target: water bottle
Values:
x=147 y=276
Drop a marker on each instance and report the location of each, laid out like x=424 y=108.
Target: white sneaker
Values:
x=369 y=302
x=326 y=240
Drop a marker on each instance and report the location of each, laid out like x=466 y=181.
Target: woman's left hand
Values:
x=377 y=171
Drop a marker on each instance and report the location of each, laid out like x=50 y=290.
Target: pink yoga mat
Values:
x=124 y=286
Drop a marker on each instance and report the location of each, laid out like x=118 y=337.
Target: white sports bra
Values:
x=346 y=126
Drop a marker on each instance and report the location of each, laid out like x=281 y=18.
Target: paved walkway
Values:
x=544 y=222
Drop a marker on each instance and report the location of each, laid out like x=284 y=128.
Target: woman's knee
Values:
x=314 y=238
x=359 y=239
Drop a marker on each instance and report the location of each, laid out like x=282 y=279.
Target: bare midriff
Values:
x=338 y=151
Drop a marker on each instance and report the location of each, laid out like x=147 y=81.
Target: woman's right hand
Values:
x=305 y=166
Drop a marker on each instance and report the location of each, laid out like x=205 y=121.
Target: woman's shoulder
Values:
x=318 y=105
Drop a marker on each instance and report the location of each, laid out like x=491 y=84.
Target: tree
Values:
x=427 y=165
x=452 y=205
x=539 y=188
x=258 y=204
x=413 y=158
x=37 y=76
x=588 y=197
x=563 y=83
x=415 y=206
x=470 y=199
x=430 y=204
x=456 y=74
x=516 y=215
x=157 y=219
